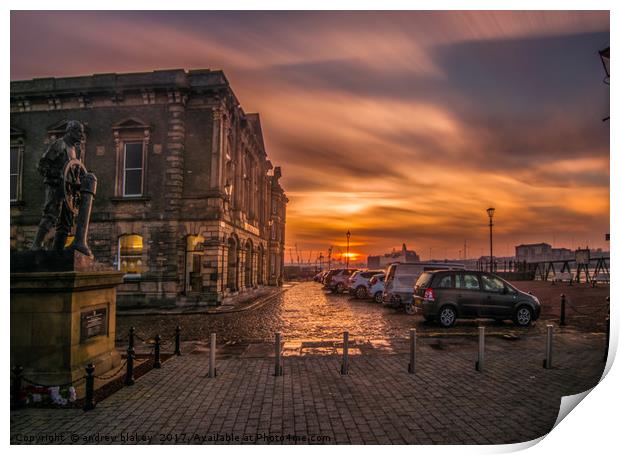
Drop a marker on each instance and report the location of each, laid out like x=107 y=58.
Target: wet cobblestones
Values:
x=307 y=312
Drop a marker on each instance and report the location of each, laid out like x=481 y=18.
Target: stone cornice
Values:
x=79 y=92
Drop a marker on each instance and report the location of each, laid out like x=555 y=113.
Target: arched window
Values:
x=130 y=248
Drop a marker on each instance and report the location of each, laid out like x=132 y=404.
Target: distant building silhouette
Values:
x=383 y=261
x=536 y=252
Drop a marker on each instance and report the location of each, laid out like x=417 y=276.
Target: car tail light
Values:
x=429 y=294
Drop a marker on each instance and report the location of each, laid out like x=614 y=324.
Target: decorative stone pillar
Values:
x=255 y=267
x=241 y=269
x=173 y=184
x=217 y=151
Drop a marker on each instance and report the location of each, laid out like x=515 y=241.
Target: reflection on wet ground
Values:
x=307 y=312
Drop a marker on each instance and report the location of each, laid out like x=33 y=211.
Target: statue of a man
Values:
x=57 y=211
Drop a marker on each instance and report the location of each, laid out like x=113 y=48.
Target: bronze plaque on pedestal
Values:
x=93 y=323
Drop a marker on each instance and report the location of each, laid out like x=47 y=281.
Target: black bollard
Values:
x=17 y=386
x=480 y=361
x=548 y=363
x=606 y=333
x=132 y=331
x=89 y=399
x=131 y=355
x=157 y=361
x=563 y=310
x=177 y=340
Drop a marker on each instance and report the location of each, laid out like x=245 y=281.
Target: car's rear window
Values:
x=467 y=281
x=443 y=281
x=424 y=280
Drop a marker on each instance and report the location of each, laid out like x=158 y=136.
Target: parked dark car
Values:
x=446 y=295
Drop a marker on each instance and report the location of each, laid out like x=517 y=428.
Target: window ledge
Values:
x=130 y=198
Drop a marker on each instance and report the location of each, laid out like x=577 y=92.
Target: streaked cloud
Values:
x=400 y=126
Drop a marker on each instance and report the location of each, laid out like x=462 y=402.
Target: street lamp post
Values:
x=329 y=258
x=348 y=237
x=491 y=212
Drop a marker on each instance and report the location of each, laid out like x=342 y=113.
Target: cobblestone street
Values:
x=306 y=312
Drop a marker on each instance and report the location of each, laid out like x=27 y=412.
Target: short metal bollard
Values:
x=18 y=371
x=132 y=333
x=157 y=360
x=606 y=333
x=548 y=362
x=278 y=353
x=89 y=399
x=412 y=350
x=480 y=361
x=131 y=355
x=562 y=309
x=177 y=340
x=212 y=369
x=344 y=369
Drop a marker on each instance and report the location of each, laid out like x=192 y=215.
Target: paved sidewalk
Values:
x=234 y=305
x=446 y=402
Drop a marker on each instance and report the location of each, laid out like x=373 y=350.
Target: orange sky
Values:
x=402 y=127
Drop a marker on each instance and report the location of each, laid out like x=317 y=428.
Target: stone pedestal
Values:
x=63 y=315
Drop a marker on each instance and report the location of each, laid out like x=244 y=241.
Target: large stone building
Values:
x=188 y=205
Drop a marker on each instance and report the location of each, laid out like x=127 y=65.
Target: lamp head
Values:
x=491 y=212
x=604 y=54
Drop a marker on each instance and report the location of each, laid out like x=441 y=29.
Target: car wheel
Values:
x=523 y=317
x=360 y=292
x=447 y=316
x=409 y=308
x=339 y=288
x=379 y=297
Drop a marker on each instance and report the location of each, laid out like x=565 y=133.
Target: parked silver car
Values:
x=376 y=284
x=359 y=283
